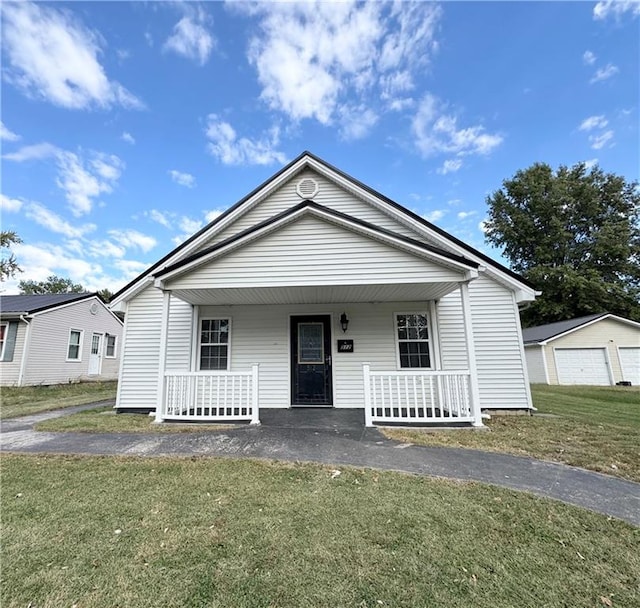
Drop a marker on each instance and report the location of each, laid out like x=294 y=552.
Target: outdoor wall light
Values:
x=344 y=321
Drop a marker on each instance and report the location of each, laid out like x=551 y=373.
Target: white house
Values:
x=317 y=291
x=600 y=349
x=57 y=338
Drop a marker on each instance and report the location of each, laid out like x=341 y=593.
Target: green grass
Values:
x=106 y=420
x=104 y=532
x=24 y=400
x=591 y=427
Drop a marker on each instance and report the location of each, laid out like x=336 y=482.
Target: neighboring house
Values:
x=57 y=338
x=600 y=349
x=315 y=290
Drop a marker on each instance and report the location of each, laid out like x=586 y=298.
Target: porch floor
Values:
x=314 y=418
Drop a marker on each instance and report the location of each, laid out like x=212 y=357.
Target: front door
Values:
x=311 y=360
x=95 y=355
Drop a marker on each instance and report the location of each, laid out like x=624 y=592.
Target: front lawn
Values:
x=103 y=532
x=592 y=427
x=24 y=400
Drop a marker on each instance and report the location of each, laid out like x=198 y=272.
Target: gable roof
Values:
x=303 y=160
x=341 y=218
x=552 y=331
x=28 y=304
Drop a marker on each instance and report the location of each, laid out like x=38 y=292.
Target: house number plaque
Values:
x=345 y=346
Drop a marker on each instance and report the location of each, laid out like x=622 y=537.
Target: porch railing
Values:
x=419 y=397
x=213 y=396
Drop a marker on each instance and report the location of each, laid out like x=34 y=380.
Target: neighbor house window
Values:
x=3 y=338
x=412 y=332
x=214 y=344
x=110 y=349
x=75 y=343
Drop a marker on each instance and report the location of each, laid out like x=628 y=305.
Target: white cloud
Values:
x=82 y=180
x=183 y=179
x=133 y=239
x=128 y=138
x=616 y=8
x=51 y=55
x=592 y=162
x=356 y=121
x=604 y=73
x=81 y=183
x=9 y=205
x=463 y=215
x=33 y=152
x=600 y=141
x=588 y=58
x=482 y=226
x=313 y=59
x=47 y=218
x=159 y=217
x=191 y=39
x=225 y=145
x=435 y=215
x=593 y=122
x=437 y=133
x=6 y=134
x=450 y=166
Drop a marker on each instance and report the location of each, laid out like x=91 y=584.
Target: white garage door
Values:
x=582 y=366
x=630 y=362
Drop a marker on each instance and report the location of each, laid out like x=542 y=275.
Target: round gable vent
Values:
x=307 y=188
x=93 y=309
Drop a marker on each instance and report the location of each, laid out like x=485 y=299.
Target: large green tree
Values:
x=52 y=284
x=575 y=234
x=8 y=263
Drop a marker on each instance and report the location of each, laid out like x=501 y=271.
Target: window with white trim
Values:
x=75 y=344
x=214 y=344
x=110 y=347
x=412 y=335
x=3 y=338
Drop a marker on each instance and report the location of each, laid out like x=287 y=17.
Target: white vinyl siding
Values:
x=329 y=195
x=47 y=359
x=582 y=366
x=179 y=335
x=536 y=364
x=138 y=385
x=311 y=252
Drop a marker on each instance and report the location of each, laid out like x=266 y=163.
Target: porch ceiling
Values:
x=316 y=294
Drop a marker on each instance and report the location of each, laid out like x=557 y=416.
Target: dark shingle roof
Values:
x=36 y=303
x=533 y=335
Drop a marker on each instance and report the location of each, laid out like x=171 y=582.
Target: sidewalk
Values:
x=307 y=439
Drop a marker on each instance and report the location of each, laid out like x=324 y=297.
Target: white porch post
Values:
x=368 y=419
x=471 y=355
x=162 y=362
x=255 y=392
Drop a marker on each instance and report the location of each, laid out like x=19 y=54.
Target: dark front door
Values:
x=311 y=360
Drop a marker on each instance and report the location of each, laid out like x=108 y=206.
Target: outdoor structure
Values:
x=600 y=349
x=317 y=291
x=57 y=338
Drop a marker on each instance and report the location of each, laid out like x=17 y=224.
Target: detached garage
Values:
x=600 y=349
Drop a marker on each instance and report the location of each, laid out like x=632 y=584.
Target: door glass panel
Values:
x=310 y=343
x=95 y=344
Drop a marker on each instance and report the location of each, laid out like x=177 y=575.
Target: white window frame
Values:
x=200 y=345
x=429 y=340
x=4 y=340
x=80 y=343
x=106 y=346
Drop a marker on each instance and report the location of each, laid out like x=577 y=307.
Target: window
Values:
x=412 y=331
x=3 y=338
x=110 y=348
x=214 y=344
x=75 y=344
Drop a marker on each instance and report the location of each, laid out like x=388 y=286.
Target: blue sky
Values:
x=127 y=126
